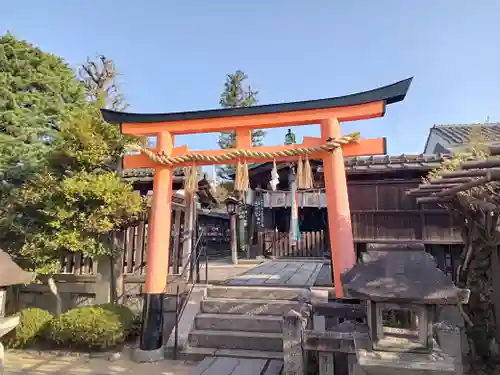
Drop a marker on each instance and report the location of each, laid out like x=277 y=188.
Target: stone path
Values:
x=295 y=273
x=32 y=363
x=221 y=270
x=238 y=366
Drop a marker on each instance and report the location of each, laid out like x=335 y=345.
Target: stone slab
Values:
x=238 y=366
x=236 y=340
x=280 y=273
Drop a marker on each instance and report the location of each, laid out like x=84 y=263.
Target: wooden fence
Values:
x=134 y=241
x=311 y=244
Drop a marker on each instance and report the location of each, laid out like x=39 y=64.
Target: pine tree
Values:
x=75 y=200
x=38 y=92
x=237 y=94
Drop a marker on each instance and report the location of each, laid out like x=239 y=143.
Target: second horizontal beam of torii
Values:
x=363 y=147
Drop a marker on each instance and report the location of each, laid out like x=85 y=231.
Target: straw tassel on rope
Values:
x=300 y=174
x=307 y=175
x=241 y=182
x=191 y=179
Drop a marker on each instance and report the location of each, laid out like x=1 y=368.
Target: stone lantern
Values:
x=402 y=289
x=10 y=274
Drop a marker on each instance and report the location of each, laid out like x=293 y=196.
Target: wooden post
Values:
x=251 y=231
x=293 y=356
x=337 y=199
x=177 y=235
x=118 y=286
x=243 y=140
x=187 y=235
x=158 y=251
x=104 y=283
x=234 y=239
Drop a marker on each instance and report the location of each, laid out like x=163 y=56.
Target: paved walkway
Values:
x=31 y=363
x=288 y=273
x=223 y=269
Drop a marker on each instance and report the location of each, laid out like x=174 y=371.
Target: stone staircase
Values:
x=240 y=321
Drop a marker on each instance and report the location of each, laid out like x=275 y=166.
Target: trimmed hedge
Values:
x=91 y=327
x=32 y=324
x=125 y=315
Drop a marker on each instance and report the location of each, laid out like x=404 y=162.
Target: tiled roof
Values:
x=371 y=164
x=145 y=174
x=461 y=133
x=392 y=163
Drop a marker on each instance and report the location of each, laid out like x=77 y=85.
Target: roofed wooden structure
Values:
x=448 y=138
x=142 y=180
x=11 y=273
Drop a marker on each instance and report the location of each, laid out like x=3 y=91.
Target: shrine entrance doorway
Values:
x=331 y=148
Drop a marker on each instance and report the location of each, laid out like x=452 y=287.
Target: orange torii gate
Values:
x=330 y=147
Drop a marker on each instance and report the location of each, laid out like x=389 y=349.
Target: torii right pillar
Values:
x=343 y=253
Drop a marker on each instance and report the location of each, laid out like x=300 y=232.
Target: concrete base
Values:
x=142 y=356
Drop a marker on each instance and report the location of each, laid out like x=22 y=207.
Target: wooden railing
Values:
x=310 y=244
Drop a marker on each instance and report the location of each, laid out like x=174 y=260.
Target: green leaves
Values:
x=38 y=92
x=58 y=160
x=72 y=214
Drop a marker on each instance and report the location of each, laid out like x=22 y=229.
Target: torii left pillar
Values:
x=158 y=252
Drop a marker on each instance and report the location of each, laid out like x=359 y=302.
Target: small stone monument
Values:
x=402 y=289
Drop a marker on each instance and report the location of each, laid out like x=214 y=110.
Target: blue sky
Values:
x=174 y=55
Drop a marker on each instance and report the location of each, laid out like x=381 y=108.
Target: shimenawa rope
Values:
x=161 y=158
x=241 y=177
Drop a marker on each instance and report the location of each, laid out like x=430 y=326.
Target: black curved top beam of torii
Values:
x=389 y=94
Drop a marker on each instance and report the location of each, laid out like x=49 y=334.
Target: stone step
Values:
x=236 y=340
x=198 y=354
x=247 y=323
x=247 y=292
x=247 y=306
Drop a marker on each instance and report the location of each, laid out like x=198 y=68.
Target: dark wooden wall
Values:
x=382 y=211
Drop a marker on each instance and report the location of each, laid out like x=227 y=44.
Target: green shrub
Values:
x=124 y=313
x=90 y=327
x=32 y=323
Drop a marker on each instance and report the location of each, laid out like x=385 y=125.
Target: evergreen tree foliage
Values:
x=237 y=94
x=38 y=93
x=75 y=199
